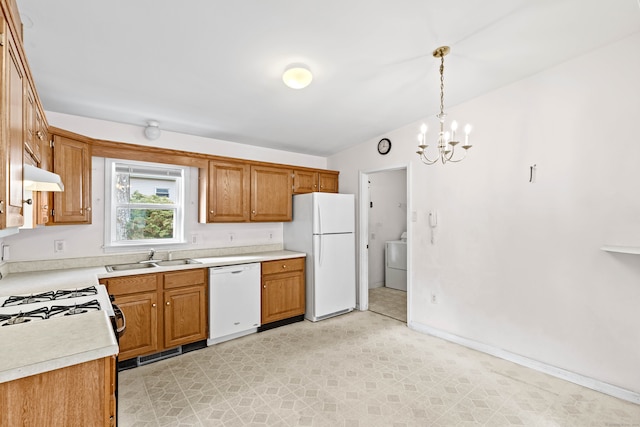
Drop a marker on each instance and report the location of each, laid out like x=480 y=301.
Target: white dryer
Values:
x=395 y=272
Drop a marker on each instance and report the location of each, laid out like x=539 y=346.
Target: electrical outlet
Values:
x=194 y=239
x=59 y=245
x=434 y=298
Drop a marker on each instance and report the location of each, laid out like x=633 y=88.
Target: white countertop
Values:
x=36 y=347
x=55 y=343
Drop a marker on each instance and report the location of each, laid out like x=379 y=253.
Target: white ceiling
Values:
x=213 y=67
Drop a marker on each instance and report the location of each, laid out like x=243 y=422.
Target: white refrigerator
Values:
x=323 y=227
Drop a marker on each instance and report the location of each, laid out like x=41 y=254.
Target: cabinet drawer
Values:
x=282 y=265
x=131 y=284
x=179 y=279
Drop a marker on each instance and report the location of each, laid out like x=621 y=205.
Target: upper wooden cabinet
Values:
x=72 y=161
x=12 y=88
x=236 y=191
x=34 y=134
x=227 y=192
x=23 y=127
x=309 y=181
x=328 y=182
x=304 y=181
x=270 y=193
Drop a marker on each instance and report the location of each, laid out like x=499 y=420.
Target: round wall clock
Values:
x=384 y=146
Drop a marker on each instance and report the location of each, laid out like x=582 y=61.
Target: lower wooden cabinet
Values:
x=141 y=335
x=185 y=307
x=182 y=319
x=79 y=395
x=283 y=289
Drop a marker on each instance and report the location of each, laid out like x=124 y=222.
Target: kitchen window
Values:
x=145 y=203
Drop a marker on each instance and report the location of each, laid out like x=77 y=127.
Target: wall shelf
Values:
x=622 y=249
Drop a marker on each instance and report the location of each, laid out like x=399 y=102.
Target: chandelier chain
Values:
x=442 y=84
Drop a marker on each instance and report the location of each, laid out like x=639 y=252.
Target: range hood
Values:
x=36 y=179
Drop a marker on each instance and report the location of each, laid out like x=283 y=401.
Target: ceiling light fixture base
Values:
x=152 y=131
x=441 y=51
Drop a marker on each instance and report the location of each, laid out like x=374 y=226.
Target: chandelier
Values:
x=447 y=141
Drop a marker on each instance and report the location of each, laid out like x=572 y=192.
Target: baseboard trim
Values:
x=593 y=384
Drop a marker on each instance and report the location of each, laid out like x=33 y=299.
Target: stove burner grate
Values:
x=70 y=310
x=28 y=299
x=16 y=319
x=75 y=293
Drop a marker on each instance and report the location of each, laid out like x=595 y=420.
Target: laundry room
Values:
x=388 y=243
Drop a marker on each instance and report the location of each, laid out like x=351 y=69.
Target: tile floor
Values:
x=389 y=302
x=360 y=369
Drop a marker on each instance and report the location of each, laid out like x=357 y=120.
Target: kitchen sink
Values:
x=176 y=262
x=150 y=264
x=132 y=266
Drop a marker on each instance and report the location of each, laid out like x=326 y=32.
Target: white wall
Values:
x=87 y=240
x=387 y=218
x=517 y=265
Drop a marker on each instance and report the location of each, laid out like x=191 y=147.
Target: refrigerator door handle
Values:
x=319 y=217
x=320 y=250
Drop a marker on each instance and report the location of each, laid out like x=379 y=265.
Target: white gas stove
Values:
x=39 y=306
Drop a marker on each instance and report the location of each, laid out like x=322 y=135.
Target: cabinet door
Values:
x=185 y=315
x=305 y=181
x=11 y=201
x=32 y=121
x=72 y=161
x=46 y=163
x=77 y=395
x=282 y=296
x=228 y=192
x=328 y=182
x=141 y=335
x=270 y=193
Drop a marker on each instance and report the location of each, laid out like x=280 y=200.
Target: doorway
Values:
x=383 y=222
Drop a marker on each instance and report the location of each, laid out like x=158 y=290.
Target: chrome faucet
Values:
x=152 y=252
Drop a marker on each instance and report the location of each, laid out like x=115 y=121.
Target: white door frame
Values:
x=363 y=236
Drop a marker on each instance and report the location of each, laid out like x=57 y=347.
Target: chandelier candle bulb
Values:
x=467 y=131
x=454 y=128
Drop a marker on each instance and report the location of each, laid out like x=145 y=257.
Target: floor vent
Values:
x=143 y=360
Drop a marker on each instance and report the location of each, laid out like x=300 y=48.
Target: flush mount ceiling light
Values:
x=297 y=76
x=152 y=131
x=447 y=141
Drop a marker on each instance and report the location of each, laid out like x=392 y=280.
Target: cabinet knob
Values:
x=211 y=212
x=153 y=305
x=264 y=286
x=284 y=265
x=88 y=209
x=168 y=303
x=40 y=135
x=253 y=211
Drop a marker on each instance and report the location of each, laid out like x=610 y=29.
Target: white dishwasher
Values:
x=234 y=301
